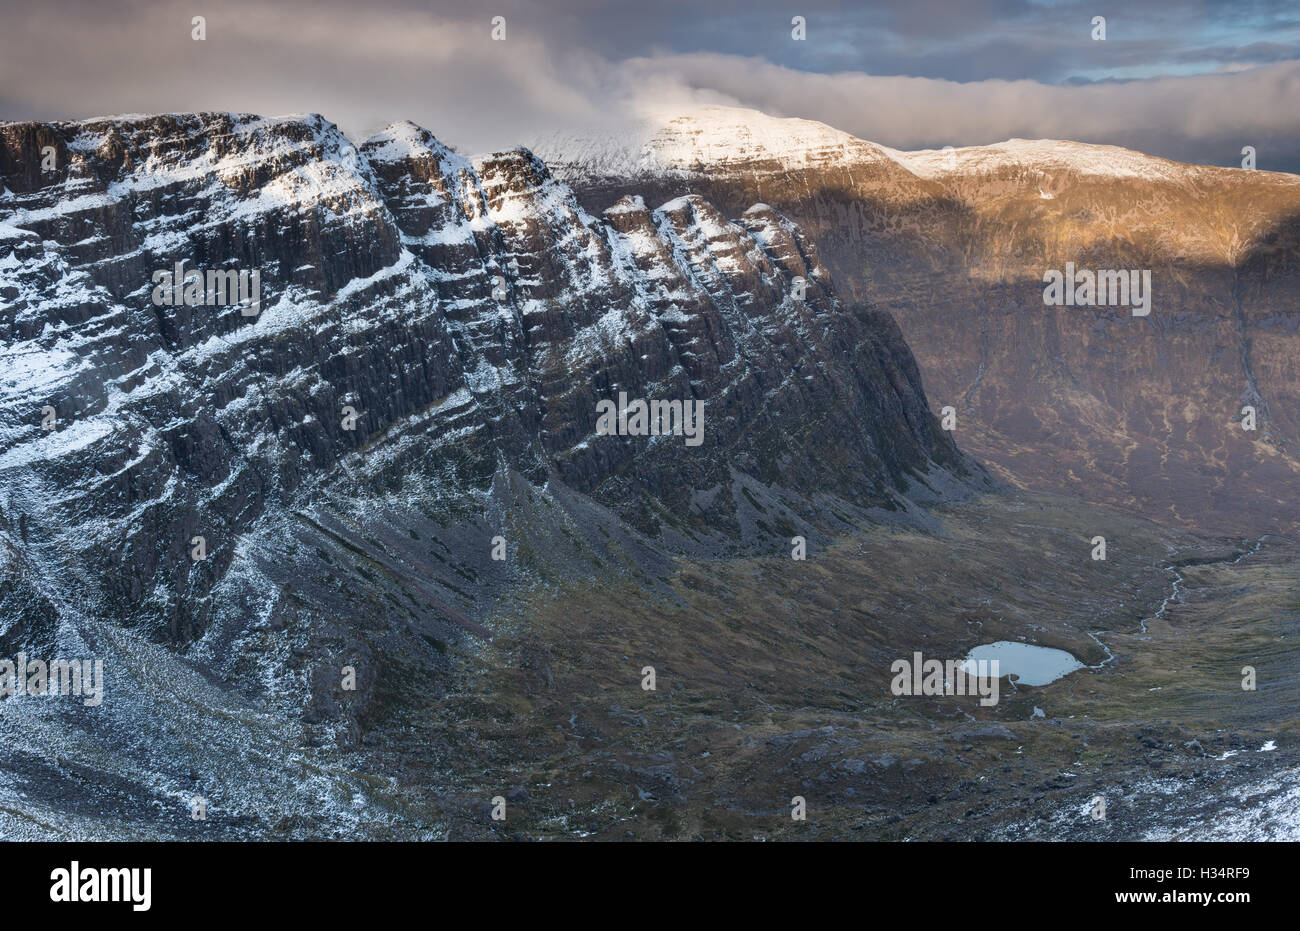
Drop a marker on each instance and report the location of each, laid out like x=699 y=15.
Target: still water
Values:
x=1031 y=665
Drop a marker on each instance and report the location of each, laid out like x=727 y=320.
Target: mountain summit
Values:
x=274 y=406
x=1147 y=412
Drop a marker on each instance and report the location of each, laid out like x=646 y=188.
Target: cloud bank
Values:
x=574 y=65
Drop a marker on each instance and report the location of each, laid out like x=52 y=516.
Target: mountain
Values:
x=366 y=550
x=1143 y=412
x=234 y=503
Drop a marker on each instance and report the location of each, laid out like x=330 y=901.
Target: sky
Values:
x=1194 y=81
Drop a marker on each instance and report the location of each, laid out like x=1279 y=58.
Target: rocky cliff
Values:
x=470 y=315
x=1143 y=412
x=231 y=504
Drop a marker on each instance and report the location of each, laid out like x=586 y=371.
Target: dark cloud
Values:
x=1191 y=80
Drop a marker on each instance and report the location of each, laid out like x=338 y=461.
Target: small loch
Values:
x=1031 y=665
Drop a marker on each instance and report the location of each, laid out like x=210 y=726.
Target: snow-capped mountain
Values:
x=1142 y=411
x=417 y=389
x=705 y=141
x=359 y=560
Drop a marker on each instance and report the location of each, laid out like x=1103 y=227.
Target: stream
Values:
x=1173 y=596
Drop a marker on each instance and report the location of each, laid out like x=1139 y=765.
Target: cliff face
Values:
x=1143 y=412
x=428 y=578
x=233 y=506
x=427 y=325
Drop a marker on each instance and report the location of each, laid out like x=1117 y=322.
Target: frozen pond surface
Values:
x=1031 y=665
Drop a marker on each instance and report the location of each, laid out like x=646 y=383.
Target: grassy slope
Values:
x=773 y=681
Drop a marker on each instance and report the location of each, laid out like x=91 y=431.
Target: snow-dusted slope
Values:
x=705 y=140
x=714 y=140
x=427 y=292
x=434 y=336
x=1100 y=161
x=1141 y=412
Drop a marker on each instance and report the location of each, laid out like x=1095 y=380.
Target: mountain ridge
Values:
x=426 y=292
x=352 y=658
x=1143 y=413
x=706 y=137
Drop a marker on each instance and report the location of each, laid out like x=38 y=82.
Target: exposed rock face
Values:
x=470 y=313
x=464 y=318
x=351 y=660
x=1144 y=412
